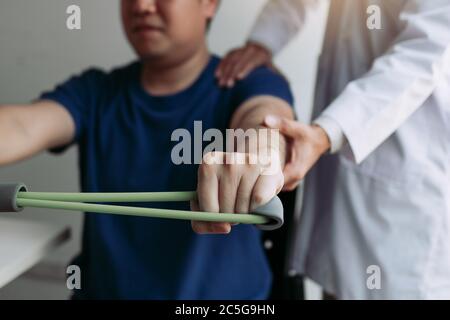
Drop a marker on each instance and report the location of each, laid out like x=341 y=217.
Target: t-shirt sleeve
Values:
x=79 y=96
x=262 y=81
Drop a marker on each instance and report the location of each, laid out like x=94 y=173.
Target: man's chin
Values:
x=152 y=54
x=150 y=50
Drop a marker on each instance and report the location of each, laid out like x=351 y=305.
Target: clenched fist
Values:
x=235 y=183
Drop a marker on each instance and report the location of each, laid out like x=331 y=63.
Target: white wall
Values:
x=37 y=51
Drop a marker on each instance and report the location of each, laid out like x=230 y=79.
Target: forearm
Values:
x=14 y=139
x=26 y=130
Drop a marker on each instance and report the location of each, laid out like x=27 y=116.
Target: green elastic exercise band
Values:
x=15 y=197
x=110 y=197
x=144 y=212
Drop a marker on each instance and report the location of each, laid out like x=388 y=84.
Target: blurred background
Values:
x=37 y=51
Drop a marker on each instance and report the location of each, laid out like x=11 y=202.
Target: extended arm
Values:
x=26 y=130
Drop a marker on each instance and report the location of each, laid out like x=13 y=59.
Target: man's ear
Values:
x=210 y=8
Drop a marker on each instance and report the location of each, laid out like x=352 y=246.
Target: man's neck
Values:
x=159 y=79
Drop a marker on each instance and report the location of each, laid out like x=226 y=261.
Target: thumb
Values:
x=287 y=127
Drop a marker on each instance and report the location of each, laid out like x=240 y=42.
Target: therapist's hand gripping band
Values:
x=15 y=197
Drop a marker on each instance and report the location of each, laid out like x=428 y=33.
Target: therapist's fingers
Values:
x=306 y=144
x=256 y=56
x=240 y=62
x=222 y=64
x=298 y=148
x=225 y=68
x=296 y=166
x=295 y=169
x=293 y=173
x=289 y=128
x=249 y=61
x=228 y=61
x=239 y=69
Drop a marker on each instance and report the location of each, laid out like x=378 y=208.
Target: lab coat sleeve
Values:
x=333 y=131
x=279 y=22
x=373 y=107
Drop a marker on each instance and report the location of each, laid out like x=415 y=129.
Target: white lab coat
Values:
x=384 y=200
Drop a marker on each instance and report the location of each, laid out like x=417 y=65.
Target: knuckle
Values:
x=212 y=158
x=258 y=198
x=232 y=169
x=242 y=206
x=207 y=157
x=206 y=171
x=298 y=176
x=251 y=160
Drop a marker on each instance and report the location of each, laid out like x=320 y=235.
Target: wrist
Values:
x=322 y=142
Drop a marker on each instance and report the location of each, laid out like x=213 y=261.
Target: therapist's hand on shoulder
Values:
x=235 y=183
x=239 y=63
x=306 y=144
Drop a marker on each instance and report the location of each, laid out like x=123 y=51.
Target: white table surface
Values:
x=23 y=243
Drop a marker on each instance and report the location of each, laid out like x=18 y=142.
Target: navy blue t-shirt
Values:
x=124 y=139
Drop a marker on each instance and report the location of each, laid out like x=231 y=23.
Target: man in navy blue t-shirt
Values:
x=123 y=123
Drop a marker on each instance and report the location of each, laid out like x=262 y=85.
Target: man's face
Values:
x=157 y=28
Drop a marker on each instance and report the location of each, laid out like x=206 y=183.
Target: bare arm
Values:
x=26 y=130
